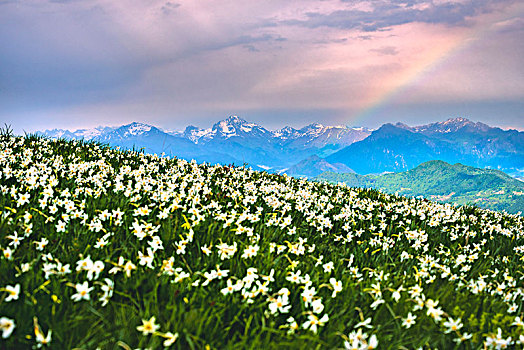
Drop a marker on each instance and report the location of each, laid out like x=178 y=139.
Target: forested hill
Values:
x=441 y=181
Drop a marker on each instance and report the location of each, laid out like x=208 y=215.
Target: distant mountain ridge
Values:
x=390 y=148
x=400 y=147
x=232 y=140
x=438 y=180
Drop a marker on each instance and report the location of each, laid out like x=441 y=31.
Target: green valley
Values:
x=440 y=181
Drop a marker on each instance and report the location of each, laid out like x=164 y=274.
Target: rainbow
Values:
x=434 y=61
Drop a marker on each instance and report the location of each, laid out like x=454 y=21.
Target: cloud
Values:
x=515 y=24
x=169 y=7
x=382 y=15
x=162 y=60
x=385 y=50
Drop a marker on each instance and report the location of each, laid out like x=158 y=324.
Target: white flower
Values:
x=452 y=325
x=95 y=269
x=230 y=288
x=376 y=303
x=317 y=306
x=497 y=341
x=41 y=339
x=84 y=264
x=15 y=240
x=396 y=294
x=8 y=253
x=518 y=322
x=280 y=304
x=61 y=226
x=250 y=251
x=148 y=327
x=366 y=323
x=7 y=326
x=328 y=267
x=513 y=308
x=82 y=291
x=206 y=250
x=337 y=286
x=463 y=337
x=293 y=277
x=372 y=342
x=41 y=245
x=307 y=295
x=409 y=320
x=23 y=198
x=13 y=292
x=292 y=324
x=108 y=289
x=146 y=260
x=313 y=322
x=170 y=339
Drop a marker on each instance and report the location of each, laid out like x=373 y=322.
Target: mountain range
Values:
x=316 y=148
x=230 y=141
x=399 y=147
x=438 y=180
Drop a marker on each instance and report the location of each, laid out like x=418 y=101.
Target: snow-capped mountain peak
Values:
x=236 y=126
x=313 y=130
x=85 y=134
x=451 y=125
x=286 y=133
x=89 y=134
x=135 y=129
x=195 y=134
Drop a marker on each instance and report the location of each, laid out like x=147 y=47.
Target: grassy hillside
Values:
x=121 y=250
x=445 y=182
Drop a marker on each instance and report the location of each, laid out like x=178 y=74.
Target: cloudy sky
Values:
x=82 y=63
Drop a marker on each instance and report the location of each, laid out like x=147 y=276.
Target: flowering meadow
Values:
x=109 y=249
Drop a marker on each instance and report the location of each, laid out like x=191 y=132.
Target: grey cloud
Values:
x=64 y=1
x=70 y=57
x=386 y=14
x=251 y=48
x=246 y=41
x=385 y=51
x=511 y=25
x=169 y=7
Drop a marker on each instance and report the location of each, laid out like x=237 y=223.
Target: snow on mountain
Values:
x=286 y=133
x=236 y=126
x=89 y=134
x=235 y=140
x=85 y=134
x=450 y=125
x=361 y=128
x=313 y=130
x=233 y=126
x=137 y=129
x=195 y=134
x=327 y=138
x=130 y=131
x=56 y=133
x=232 y=137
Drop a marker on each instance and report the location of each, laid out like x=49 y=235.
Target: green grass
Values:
x=372 y=243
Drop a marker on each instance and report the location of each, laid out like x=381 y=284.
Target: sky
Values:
x=82 y=63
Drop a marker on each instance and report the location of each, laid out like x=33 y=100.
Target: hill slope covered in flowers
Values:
x=110 y=249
